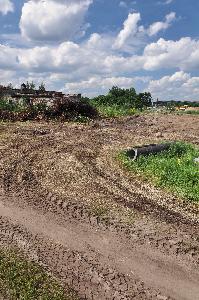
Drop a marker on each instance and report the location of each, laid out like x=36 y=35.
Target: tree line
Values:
x=127 y=98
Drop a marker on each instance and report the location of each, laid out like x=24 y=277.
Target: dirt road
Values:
x=66 y=203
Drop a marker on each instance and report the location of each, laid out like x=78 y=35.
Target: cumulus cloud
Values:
x=132 y=35
x=96 y=58
x=97 y=85
x=8 y=57
x=50 y=20
x=179 y=86
x=130 y=29
x=6 y=6
x=159 y=26
x=182 y=54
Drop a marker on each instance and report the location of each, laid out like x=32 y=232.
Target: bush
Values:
x=63 y=109
x=66 y=108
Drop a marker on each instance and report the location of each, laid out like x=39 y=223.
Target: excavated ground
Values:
x=67 y=203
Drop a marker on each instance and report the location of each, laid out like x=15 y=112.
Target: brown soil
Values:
x=67 y=203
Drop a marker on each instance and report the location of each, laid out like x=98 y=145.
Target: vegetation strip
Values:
x=20 y=279
x=175 y=170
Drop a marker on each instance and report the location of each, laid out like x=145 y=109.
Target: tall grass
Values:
x=174 y=170
x=112 y=111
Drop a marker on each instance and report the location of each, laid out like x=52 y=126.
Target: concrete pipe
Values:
x=148 y=149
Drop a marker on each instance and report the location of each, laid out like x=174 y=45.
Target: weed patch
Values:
x=113 y=111
x=174 y=170
x=20 y=279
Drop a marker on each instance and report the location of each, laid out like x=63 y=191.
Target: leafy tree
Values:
x=27 y=85
x=42 y=88
x=32 y=85
x=125 y=97
x=10 y=86
x=118 y=96
x=117 y=92
x=144 y=100
x=23 y=86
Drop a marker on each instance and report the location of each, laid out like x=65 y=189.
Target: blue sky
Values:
x=87 y=46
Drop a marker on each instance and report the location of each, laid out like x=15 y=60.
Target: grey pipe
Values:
x=134 y=153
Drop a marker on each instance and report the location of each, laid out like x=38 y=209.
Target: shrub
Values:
x=69 y=108
x=63 y=109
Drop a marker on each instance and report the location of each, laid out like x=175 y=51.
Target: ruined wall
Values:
x=37 y=96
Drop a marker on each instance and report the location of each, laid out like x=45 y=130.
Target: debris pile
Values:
x=30 y=104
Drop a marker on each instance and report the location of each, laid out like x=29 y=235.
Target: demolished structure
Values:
x=33 y=96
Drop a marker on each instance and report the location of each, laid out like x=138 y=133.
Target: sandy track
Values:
x=50 y=185
x=156 y=270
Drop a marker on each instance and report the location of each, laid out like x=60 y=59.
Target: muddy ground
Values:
x=66 y=202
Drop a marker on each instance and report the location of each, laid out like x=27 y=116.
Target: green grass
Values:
x=113 y=111
x=20 y=279
x=187 y=112
x=174 y=170
x=192 y=112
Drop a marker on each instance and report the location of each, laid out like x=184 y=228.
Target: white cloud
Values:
x=133 y=36
x=6 y=6
x=95 y=57
x=123 y=4
x=179 y=86
x=165 y=2
x=182 y=54
x=168 y=1
x=130 y=29
x=72 y=62
x=97 y=85
x=8 y=57
x=50 y=20
x=159 y=26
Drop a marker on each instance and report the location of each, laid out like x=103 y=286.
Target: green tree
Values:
x=144 y=100
x=42 y=88
x=118 y=96
x=27 y=85
x=10 y=86
x=32 y=85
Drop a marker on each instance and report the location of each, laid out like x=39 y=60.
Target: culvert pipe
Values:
x=134 y=153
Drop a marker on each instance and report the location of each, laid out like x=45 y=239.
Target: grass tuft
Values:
x=20 y=279
x=174 y=170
